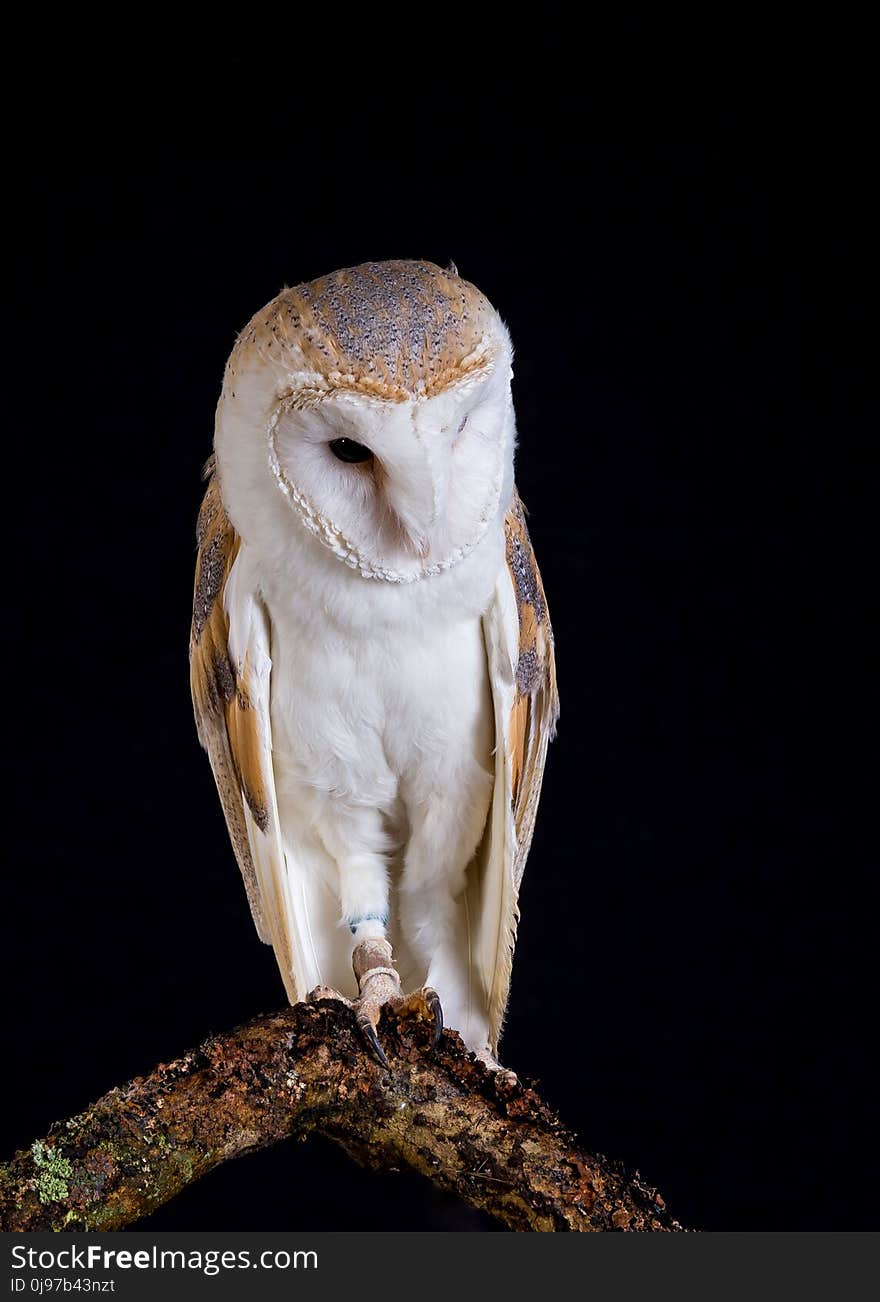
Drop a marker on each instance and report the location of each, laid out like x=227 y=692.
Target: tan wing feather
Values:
x=536 y=699
x=522 y=671
x=226 y=723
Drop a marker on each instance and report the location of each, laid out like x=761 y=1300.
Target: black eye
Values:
x=348 y=450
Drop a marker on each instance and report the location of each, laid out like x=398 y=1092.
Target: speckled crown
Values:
x=397 y=330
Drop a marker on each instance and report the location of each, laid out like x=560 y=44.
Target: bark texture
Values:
x=487 y=1139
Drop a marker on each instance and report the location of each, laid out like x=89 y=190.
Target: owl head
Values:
x=370 y=410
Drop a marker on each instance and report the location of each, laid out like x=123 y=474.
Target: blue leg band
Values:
x=368 y=917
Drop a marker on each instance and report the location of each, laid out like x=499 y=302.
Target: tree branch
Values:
x=489 y=1140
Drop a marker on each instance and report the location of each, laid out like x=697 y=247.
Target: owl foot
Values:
x=367 y=1013
x=379 y=986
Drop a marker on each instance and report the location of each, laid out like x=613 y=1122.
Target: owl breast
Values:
x=383 y=722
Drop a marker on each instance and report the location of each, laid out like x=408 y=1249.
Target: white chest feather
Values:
x=374 y=720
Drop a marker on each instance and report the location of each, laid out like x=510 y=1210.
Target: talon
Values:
x=368 y=1031
x=432 y=1002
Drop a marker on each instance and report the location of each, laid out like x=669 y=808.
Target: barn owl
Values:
x=371 y=656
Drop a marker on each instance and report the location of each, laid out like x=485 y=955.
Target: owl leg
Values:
x=357 y=840
x=445 y=833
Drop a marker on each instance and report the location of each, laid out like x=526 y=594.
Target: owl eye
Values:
x=349 y=451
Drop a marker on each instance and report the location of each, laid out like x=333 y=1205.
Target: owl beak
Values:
x=406 y=509
x=415 y=490
x=410 y=537
x=415 y=523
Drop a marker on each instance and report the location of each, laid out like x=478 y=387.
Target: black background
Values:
x=692 y=986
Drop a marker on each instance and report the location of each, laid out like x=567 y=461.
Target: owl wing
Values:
x=230 y=668
x=522 y=673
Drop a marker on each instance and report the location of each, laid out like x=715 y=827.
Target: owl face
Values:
x=397 y=489
x=371 y=409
